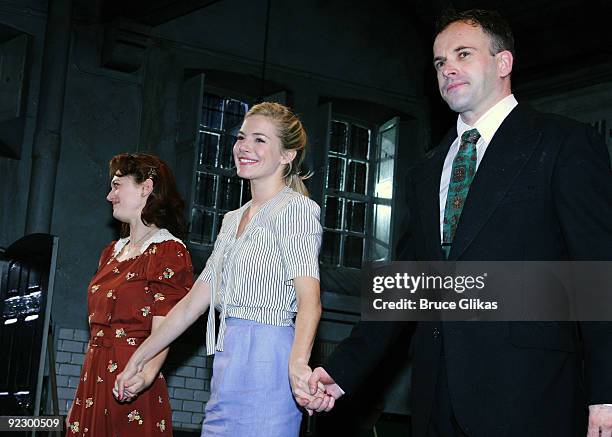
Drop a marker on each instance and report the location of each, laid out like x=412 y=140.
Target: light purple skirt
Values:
x=250 y=391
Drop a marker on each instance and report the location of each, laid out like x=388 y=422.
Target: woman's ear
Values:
x=287 y=156
x=147 y=187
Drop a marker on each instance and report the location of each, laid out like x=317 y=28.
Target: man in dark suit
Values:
x=540 y=190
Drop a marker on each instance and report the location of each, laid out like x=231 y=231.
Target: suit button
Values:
x=436 y=333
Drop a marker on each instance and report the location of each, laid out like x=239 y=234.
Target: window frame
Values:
x=215 y=170
x=368 y=199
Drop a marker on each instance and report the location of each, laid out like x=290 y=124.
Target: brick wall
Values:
x=187 y=373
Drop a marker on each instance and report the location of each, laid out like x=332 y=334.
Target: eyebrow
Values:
x=458 y=49
x=255 y=133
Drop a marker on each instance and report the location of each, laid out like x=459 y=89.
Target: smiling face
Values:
x=128 y=198
x=258 y=152
x=470 y=79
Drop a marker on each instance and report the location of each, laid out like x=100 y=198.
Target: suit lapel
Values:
x=428 y=195
x=506 y=155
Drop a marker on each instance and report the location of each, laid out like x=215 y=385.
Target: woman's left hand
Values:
x=131 y=387
x=298 y=378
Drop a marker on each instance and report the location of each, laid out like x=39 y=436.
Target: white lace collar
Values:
x=157 y=237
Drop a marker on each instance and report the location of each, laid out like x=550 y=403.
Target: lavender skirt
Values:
x=250 y=391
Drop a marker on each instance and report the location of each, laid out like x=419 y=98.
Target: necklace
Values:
x=134 y=245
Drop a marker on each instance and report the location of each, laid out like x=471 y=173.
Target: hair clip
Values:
x=151 y=173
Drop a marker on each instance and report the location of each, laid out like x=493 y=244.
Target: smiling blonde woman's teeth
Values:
x=247 y=161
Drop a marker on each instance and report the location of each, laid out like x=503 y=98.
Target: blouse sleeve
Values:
x=299 y=234
x=170 y=276
x=206 y=274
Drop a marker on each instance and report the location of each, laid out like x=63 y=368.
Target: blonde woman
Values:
x=263 y=279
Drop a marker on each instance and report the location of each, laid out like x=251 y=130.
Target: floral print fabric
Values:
x=123 y=298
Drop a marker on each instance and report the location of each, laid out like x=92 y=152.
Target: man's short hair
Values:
x=491 y=22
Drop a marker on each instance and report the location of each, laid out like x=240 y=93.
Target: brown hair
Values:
x=165 y=206
x=292 y=136
x=491 y=22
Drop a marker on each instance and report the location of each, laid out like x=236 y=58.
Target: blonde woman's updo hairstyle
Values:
x=292 y=136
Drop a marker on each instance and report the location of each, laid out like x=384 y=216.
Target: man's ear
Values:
x=147 y=187
x=287 y=156
x=504 y=63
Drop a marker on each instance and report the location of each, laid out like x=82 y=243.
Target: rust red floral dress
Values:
x=123 y=297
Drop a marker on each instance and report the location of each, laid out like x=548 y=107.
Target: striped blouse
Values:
x=251 y=276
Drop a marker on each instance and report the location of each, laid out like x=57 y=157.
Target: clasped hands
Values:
x=313 y=390
x=130 y=383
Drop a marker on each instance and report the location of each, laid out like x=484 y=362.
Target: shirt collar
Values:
x=490 y=121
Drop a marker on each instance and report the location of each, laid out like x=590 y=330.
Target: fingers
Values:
x=314 y=381
x=126 y=391
x=315 y=404
x=118 y=389
x=600 y=421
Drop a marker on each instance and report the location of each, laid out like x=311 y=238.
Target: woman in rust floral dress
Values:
x=139 y=279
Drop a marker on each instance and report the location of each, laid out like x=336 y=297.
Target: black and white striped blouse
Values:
x=251 y=276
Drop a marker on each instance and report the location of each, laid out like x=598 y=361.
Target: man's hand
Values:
x=299 y=374
x=332 y=391
x=600 y=419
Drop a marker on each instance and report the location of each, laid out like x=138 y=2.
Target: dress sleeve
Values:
x=170 y=276
x=299 y=234
x=106 y=253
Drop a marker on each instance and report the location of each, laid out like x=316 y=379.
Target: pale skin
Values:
x=128 y=199
x=259 y=158
x=471 y=80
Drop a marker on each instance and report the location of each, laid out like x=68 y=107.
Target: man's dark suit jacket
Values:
x=543 y=191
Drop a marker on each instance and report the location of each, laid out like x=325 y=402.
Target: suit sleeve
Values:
x=584 y=205
x=357 y=356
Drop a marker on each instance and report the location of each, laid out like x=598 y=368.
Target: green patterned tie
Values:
x=462 y=174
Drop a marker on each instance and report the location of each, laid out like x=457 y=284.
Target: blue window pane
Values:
x=209 y=149
x=333 y=212
x=360 y=142
x=201 y=225
x=356 y=177
x=353 y=251
x=338 y=134
x=206 y=189
x=355 y=216
x=212 y=111
x=330 y=249
x=229 y=193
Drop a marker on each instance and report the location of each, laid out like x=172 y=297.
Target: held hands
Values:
x=131 y=382
x=600 y=419
x=299 y=372
x=332 y=390
x=322 y=392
